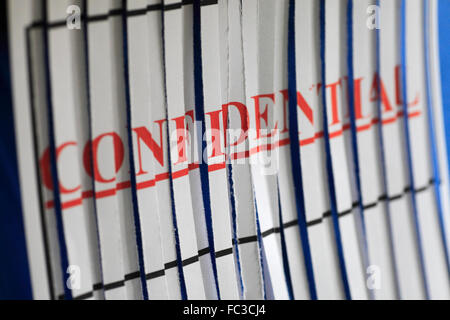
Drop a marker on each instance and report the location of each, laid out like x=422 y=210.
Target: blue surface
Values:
x=444 y=42
x=14 y=273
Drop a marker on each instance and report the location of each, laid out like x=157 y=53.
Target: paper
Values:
x=167 y=125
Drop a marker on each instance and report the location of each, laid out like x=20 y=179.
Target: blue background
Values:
x=14 y=273
x=444 y=42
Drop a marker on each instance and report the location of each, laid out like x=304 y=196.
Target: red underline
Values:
x=214 y=167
